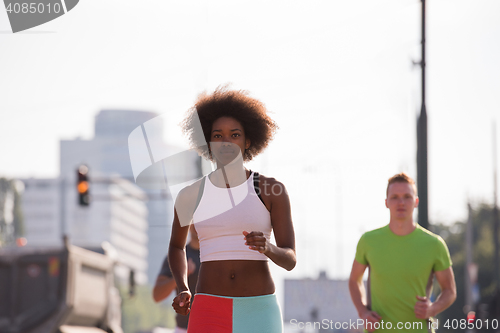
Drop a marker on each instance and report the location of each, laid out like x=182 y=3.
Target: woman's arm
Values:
x=177 y=254
x=277 y=201
x=183 y=212
x=178 y=266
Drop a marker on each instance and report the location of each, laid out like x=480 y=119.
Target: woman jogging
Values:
x=234 y=211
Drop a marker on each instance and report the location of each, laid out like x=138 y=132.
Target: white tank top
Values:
x=221 y=217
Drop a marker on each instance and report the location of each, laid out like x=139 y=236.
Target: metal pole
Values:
x=62 y=209
x=496 y=222
x=469 y=302
x=423 y=214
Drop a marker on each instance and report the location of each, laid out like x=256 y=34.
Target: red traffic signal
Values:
x=471 y=317
x=82 y=185
x=21 y=241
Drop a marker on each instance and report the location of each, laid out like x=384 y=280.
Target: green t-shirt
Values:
x=400 y=268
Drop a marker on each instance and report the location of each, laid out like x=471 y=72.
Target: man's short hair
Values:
x=401 y=178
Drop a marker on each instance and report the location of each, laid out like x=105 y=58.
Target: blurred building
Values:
x=119 y=217
x=322 y=301
x=41 y=204
x=107 y=154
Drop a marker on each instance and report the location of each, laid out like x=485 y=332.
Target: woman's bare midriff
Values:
x=235 y=278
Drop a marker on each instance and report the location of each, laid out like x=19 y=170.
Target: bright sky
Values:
x=337 y=75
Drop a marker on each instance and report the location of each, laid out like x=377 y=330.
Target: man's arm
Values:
x=357 y=290
x=163 y=287
x=165 y=283
x=425 y=309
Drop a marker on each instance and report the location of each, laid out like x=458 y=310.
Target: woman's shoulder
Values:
x=271 y=187
x=191 y=192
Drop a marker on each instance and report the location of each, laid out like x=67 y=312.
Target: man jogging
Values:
x=165 y=283
x=402 y=258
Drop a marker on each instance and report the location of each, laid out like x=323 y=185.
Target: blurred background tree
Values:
x=141 y=314
x=483 y=257
x=11 y=218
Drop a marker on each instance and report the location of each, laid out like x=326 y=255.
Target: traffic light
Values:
x=131 y=283
x=82 y=185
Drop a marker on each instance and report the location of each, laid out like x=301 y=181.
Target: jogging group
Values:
x=220 y=245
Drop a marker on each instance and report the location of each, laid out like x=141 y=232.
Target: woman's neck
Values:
x=229 y=175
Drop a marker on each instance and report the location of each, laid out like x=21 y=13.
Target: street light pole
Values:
x=496 y=222
x=423 y=211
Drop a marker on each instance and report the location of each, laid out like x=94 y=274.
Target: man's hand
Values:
x=181 y=303
x=423 y=308
x=371 y=317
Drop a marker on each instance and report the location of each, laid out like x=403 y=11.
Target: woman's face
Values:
x=227 y=140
